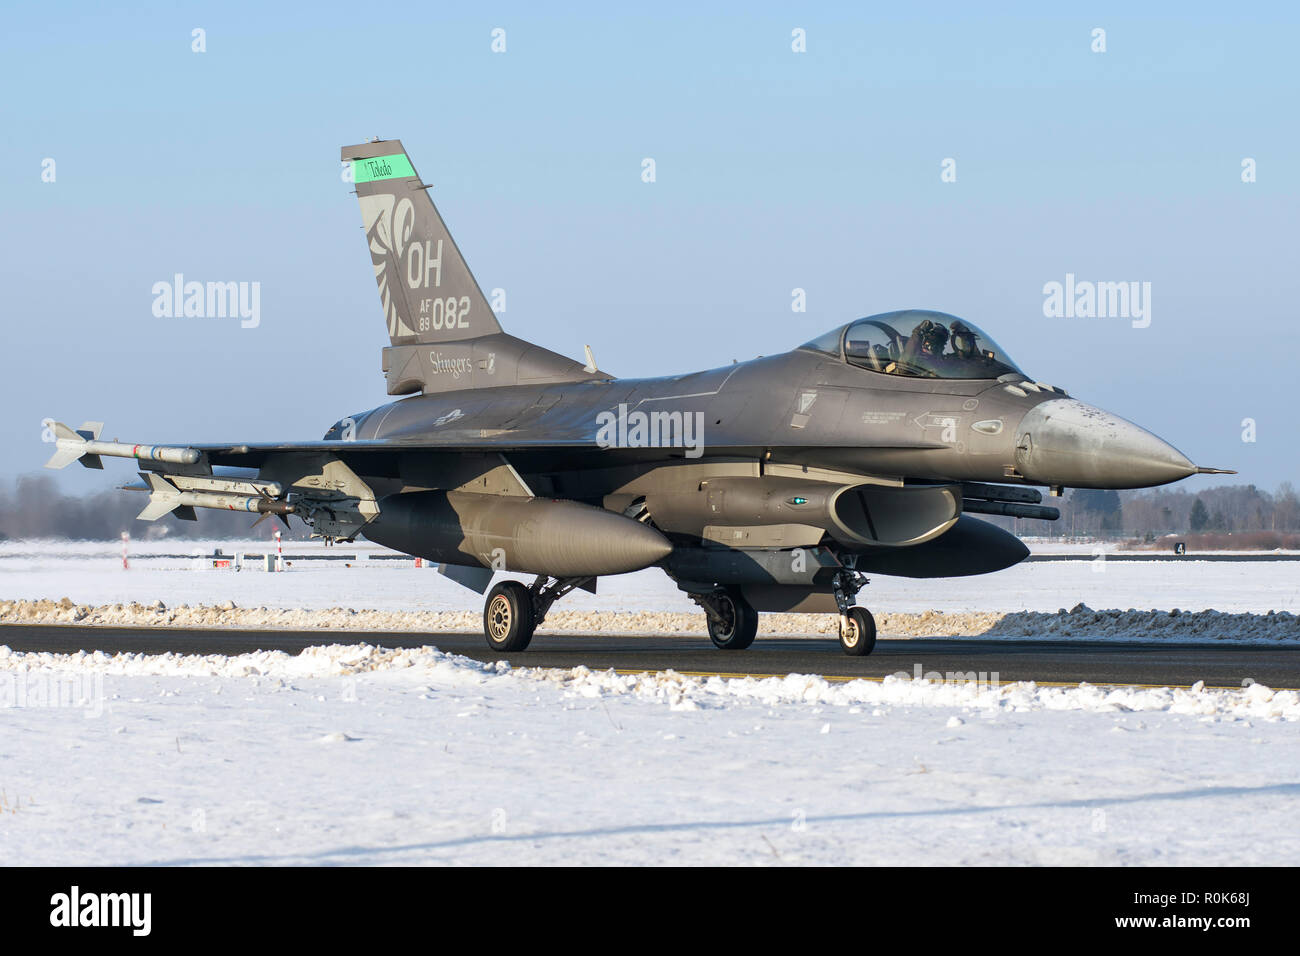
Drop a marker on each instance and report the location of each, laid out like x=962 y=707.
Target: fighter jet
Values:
x=776 y=484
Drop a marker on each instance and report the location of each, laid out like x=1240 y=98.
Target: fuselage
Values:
x=809 y=408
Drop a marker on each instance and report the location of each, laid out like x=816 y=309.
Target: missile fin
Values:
x=157 y=508
x=163 y=497
x=63 y=456
x=69 y=446
x=64 y=433
x=158 y=484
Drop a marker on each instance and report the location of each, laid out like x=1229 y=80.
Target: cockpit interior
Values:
x=919 y=344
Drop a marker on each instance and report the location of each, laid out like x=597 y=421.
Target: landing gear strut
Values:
x=513 y=611
x=857 y=626
x=732 y=620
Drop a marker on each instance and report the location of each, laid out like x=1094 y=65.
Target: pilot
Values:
x=963 y=340
x=925 y=344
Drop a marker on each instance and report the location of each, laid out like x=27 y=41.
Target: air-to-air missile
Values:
x=183 y=493
x=83 y=444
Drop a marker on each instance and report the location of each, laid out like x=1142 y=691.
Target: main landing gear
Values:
x=733 y=622
x=514 y=610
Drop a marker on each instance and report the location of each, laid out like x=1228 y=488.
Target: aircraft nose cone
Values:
x=1067 y=442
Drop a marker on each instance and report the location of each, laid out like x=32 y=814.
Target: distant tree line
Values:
x=1168 y=510
x=34 y=507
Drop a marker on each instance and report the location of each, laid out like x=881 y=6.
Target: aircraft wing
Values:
x=346 y=478
x=252 y=454
x=84 y=444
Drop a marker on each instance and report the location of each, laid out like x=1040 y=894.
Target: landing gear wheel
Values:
x=859 y=637
x=739 y=621
x=508 y=617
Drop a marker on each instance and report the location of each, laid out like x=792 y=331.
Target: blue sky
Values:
x=774 y=170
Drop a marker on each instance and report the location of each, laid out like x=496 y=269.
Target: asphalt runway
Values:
x=968 y=659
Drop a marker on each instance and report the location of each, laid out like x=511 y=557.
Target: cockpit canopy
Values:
x=918 y=344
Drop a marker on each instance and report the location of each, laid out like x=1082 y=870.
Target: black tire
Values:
x=740 y=621
x=508 y=617
x=860 y=638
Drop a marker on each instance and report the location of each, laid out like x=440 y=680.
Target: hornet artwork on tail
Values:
x=867 y=450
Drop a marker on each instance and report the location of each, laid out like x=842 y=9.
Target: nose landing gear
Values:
x=857 y=626
x=857 y=632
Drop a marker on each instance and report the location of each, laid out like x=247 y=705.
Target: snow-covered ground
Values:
x=355 y=755
x=1227 y=601
x=358 y=756
x=91 y=573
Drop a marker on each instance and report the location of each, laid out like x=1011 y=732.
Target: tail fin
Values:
x=71 y=445
x=428 y=293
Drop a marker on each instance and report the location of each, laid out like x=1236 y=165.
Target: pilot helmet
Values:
x=963 y=339
x=933 y=336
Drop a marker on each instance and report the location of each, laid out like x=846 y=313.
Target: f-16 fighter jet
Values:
x=776 y=484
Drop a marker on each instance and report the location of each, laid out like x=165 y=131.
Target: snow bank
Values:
x=1079 y=623
x=688 y=693
x=680 y=692
x=1174 y=625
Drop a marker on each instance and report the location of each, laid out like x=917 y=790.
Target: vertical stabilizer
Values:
x=427 y=291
